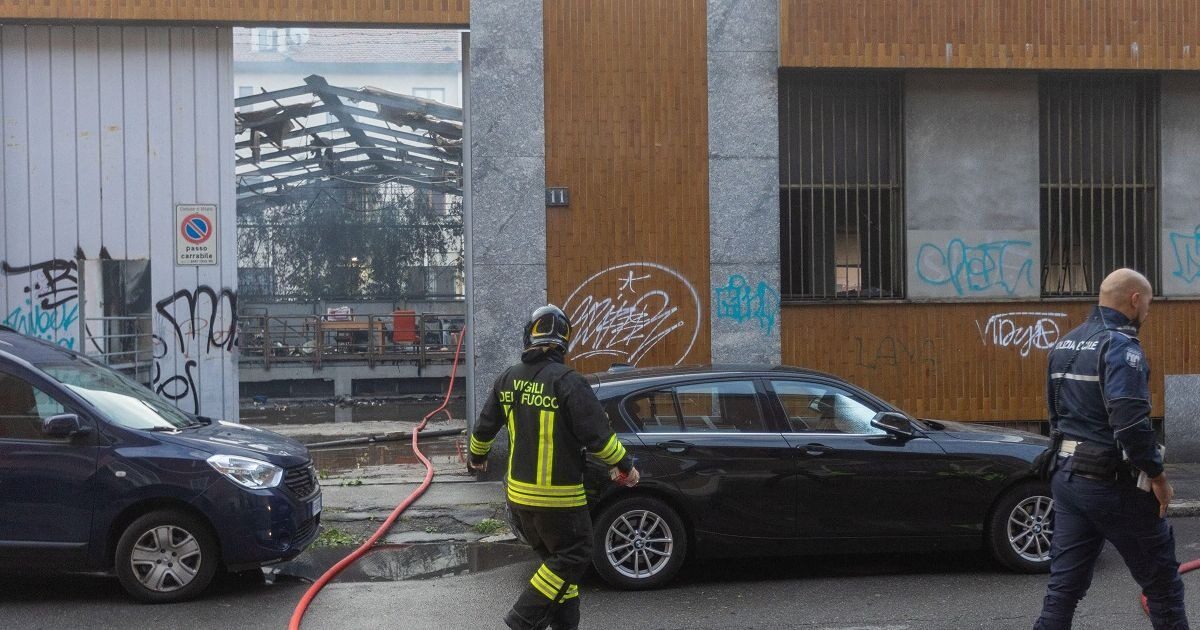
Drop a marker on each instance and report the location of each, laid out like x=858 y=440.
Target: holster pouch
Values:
x=1096 y=459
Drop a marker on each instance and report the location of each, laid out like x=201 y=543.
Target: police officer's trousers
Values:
x=563 y=539
x=1088 y=512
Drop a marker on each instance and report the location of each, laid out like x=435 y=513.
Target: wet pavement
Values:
x=393 y=563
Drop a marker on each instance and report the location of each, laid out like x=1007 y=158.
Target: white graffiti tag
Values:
x=626 y=311
x=1021 y=330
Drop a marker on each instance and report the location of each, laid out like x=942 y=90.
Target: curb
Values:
x=1183 y=509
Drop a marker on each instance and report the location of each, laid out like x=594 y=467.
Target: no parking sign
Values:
x=196 y=234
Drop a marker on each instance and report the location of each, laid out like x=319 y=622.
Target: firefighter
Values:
x=1100 y=403
x=552 y=416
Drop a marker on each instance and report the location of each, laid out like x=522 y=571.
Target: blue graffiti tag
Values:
x=57 y=324
x=977 y=268
x=1187 y=255
x=742 y=302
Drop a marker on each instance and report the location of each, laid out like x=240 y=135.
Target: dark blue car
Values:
x=97 y=474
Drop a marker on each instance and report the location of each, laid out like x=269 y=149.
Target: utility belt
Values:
x=1094 y=461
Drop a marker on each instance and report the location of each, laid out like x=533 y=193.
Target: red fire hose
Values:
x=302 y=607
x=1190 y=565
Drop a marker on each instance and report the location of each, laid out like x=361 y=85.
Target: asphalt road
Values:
x=923 y=592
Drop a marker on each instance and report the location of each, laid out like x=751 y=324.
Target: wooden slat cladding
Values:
x=969 y=361
x=1062 y=34
x=365 y=12
x=627 y=132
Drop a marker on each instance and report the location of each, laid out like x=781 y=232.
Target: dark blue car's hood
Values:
x=975 y=432
x=239 y=439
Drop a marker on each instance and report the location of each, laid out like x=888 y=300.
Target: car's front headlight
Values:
x=246 y=472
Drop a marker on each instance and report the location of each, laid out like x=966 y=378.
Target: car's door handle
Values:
x=815 y=449
x=675 y=446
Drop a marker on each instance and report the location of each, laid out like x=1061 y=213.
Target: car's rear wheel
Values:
x=1022 y=527
x=638 y=542
x=166 y=556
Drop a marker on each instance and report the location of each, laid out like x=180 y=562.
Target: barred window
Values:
x=1099 y=179
x=841 y=185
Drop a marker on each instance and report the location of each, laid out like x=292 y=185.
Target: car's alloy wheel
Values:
x=166 y=556
x=638 y=542
x=1020 y=530
x=1030 y=527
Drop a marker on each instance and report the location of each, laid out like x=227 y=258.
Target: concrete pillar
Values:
x=971 y=185
x=743 y=179
x=1180 y=116
x=506 y=229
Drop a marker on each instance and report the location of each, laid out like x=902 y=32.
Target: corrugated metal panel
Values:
x=1065 y=34
x=105 y=130
x=391 y=12
x=968 y=361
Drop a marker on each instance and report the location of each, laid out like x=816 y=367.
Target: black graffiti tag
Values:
x=203 y=321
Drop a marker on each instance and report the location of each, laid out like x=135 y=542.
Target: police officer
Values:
x=1100 y=401
x=552 y=416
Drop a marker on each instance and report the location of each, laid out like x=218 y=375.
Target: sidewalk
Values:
x=1185 y=478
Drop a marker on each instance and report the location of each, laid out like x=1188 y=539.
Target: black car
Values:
x=756 y=461
x=98 y=474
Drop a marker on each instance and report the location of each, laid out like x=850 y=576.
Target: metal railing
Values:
x=125 y=344
x=269 y=340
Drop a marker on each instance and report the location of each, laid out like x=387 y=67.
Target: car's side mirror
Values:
x=63 y=426
x=896 y=424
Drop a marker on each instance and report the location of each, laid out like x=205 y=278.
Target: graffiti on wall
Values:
x=1022 y=330
x=973 y=269
x=191 y=324
x=744 y=302
x=50 y=308
x=1186 y=248
x=889 y=352
x=627 y=310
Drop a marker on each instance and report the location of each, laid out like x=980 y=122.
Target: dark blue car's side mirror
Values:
x=63 y=426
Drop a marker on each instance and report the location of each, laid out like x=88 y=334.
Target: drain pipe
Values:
x=311 y=593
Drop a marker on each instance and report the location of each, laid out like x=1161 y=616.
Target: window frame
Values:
x=871 y=401
x=770 y=416
x=884 y=183
x=69 y=405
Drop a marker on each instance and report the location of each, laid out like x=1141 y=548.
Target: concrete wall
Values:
x=105 y=130
x=506 y=212
x=1180 y=115
x=743 y=179
x=971 y=184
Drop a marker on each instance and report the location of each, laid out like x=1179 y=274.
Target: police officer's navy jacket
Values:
x=552 y=415
x=1103 y=394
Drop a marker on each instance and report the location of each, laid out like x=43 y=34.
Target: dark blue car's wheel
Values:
x=638 y=542
x=1022 y=528
x=166 y=556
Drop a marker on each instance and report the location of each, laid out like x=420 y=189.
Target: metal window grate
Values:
x=841 y=185
x=1099 y=179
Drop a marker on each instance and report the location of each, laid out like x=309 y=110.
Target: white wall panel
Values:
x=105 y=129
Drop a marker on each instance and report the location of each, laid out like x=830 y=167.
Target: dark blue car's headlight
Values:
x=246 y=472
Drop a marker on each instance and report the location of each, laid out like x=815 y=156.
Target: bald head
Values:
x=1127 y=291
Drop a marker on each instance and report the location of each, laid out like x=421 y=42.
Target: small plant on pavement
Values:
x=334 y=537
x=489 y=526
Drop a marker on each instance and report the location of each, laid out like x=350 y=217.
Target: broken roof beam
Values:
x=266 y=97
x=411 y=103
x=424 y=155
x=427 y=167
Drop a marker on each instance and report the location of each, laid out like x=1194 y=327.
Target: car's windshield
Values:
x=122 y=400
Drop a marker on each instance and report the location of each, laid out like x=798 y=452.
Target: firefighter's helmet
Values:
x=548 y=326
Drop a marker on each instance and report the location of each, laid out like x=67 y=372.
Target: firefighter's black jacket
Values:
x=552 y=416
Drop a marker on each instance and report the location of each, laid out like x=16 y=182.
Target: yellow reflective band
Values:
x=512 y=435
x=550 y=577
x=612 y=452
x=543 y=501
x=480 y=447
x=545 y=462
x=550 y=491
x=542 y=587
